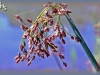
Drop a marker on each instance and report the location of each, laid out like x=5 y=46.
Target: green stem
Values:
x=82 y=42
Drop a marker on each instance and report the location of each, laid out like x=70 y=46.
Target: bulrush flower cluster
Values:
x=40 y=42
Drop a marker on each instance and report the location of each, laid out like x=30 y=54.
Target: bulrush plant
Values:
x=44 y=30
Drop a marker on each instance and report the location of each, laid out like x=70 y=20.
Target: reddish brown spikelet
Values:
x=42 y=55
x=17 y=16
x=61 y=56
x=62 y=10
x=72 y=37
x=31 y=51
x=64 y=5
x=63 y=41
x=20 y=19
x=50 y=16
x=24 y=27
x=29 y=62
x=19 y=55
x=54 y=50
x=51 y=45
x=24 y=36
x=29 y=20
x=65 y=64
x=25 y=56
x=64 y=33
x=21 y=47
x=33 y=57
x=28 y=55
x=47 y=53
x=16 y=58
x=68 y=11
x=51 y=22
x=46 y=29
x=54 y=46
x=77 y=39
x=25 y=52
x=45 y=5
x=17 y=61
x=24 y=43
x=22 y=59
x=54 y=10
x=60 y=35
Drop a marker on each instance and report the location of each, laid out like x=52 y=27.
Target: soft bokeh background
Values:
x=85 y=15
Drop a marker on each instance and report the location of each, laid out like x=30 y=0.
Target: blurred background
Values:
x=86 y=16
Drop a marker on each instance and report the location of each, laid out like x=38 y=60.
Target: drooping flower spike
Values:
x=40 y=42
x=38 y=39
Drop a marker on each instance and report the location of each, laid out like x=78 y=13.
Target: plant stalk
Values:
x=82 y=42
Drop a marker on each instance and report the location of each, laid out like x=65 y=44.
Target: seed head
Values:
x=19 y=55
x=22 y=59
x=18 y=18
x=51 y=22
x=39 y=42
x=33 y=57
x=72 y=37
x=45 y=5
x=29 y=62
x=47 y=53
x=24 y=43
x=17 y=61
x=54 y=10
x=54 y=50
x=77 y=39
x=64 y=33
x=24 y=27
x=68 y=11
x=61 y=55
x=46 y=29
x=21 y=47
x=65 y=64
x=28 y=55
x=63 y=41
x=25 y=52
x=60 y=35
x=24 y=36
x=29 y=20
x=16 y=58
